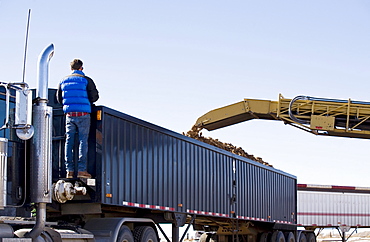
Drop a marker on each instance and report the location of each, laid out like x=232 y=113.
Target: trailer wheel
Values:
x=145 y=234
x=277 y=236
x=302 y=237
x=125 y=235
x=311 y=237
x=290 y=237
x=264 y=237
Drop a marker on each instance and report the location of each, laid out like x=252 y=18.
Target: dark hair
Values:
x=76 y=64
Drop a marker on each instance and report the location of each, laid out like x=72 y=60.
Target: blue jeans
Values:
x=82 y=125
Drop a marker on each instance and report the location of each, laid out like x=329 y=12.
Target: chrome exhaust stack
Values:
x=43 y=74
x=41 y=182
x=41 y=142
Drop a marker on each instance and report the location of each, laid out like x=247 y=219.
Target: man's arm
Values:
x=92 y=92
x=59 y=95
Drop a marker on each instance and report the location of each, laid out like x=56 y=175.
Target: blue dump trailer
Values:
x=143 y=176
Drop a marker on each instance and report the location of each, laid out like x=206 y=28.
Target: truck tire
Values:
x=302 y=237
x=290 y=237
x=145 y=234
x=125 y=235
x=264 y=237
x=277 y=236
x=311 y=237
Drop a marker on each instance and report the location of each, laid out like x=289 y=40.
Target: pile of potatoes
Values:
x=196 y=134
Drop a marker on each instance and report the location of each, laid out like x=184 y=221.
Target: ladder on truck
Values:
x=320 y=116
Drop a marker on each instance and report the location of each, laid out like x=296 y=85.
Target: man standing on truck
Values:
x=77 y=92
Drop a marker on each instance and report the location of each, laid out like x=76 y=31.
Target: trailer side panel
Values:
x=144 y=165
x=332 y=209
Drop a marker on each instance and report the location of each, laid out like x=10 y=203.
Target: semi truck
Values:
x=143 y=176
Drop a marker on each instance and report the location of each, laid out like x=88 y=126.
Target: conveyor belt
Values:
x=320 y=116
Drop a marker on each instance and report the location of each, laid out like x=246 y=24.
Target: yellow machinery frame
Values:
x=333 y=117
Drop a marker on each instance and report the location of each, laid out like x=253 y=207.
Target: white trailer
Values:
x=327 y=206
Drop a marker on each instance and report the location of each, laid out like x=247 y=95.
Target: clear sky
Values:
x=169 y=62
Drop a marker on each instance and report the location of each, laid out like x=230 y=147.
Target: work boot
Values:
x=70 y=174
x=83 y=174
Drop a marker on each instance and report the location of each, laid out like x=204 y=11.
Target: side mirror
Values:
x=23 y=112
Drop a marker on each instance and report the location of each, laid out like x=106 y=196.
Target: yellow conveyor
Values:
x=320 y=116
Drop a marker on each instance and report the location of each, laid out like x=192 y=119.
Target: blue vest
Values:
x=74 y=93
